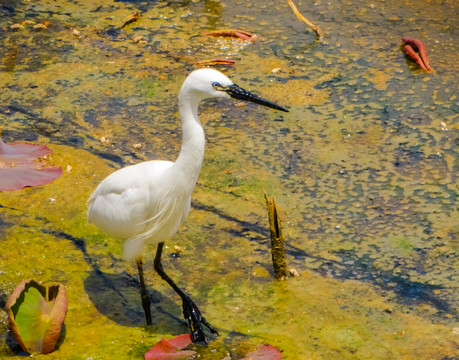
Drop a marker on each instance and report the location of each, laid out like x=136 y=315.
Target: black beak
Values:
x=241 y=94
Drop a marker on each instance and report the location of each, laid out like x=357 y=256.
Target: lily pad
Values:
x=36 y=314
x=18 y=168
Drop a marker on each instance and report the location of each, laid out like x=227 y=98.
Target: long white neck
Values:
x=189 y=162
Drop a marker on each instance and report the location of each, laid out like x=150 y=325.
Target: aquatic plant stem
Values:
x=315 y=28
x=277 y=240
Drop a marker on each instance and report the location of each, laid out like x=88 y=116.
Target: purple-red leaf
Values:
x=234 y=33
x=22 y=151
x=181 y=341
x=18 y=168
x=416 y=49
x=167 y=349
x=264 y=352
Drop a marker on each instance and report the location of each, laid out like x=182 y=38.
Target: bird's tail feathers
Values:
x=133 y=248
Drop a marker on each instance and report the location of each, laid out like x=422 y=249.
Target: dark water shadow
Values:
x=14 y=346
x=109 y=294
x=117 y=296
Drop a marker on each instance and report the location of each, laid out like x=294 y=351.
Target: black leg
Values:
x=190 y=310
x=146 y=298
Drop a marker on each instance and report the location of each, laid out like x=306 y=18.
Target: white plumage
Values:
x=147 y=202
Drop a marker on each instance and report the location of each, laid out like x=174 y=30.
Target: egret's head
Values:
x=206 y=83
x=212 y=83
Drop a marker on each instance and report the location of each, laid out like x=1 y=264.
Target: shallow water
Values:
x=364 y=167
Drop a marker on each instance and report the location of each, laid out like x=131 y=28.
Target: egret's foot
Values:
x=196 y=320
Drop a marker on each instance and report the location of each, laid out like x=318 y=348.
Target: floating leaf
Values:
x=234 y=33
x=22 y=151
x=18 y=168
x=417 y=51
x=36 y=314
x=181 y=341
x=167 y=349
x=214 y=62
x=264 y=352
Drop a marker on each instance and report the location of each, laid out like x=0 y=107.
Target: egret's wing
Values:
x=171 y=208
x=122 y=202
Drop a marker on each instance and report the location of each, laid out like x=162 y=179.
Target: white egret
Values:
x=146 y=202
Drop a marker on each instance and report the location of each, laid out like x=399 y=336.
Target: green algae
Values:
x=403 y=244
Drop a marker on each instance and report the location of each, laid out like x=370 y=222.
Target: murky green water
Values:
x=364 y=168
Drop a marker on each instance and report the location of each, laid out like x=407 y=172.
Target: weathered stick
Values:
x=315 y=28
x=277 y=240
x=131 y=18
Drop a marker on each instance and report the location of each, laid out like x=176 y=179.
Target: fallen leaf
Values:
x=264 y=352
x=167 y=349
x=215 y=62
x=181 y=341
x=16 y=27
x=235 y=33
x=39 y=27
x=416 y=49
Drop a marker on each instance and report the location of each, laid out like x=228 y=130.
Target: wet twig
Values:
x=315 y=28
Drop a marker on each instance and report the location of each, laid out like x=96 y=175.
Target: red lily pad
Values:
x=36 y=314
x=170 y=349
x=18 y=168
x=264 y=352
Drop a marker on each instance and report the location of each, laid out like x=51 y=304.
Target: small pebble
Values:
x=293 y=272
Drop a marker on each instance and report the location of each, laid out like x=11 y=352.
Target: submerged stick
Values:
x=277 y=240
x=315 y=28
